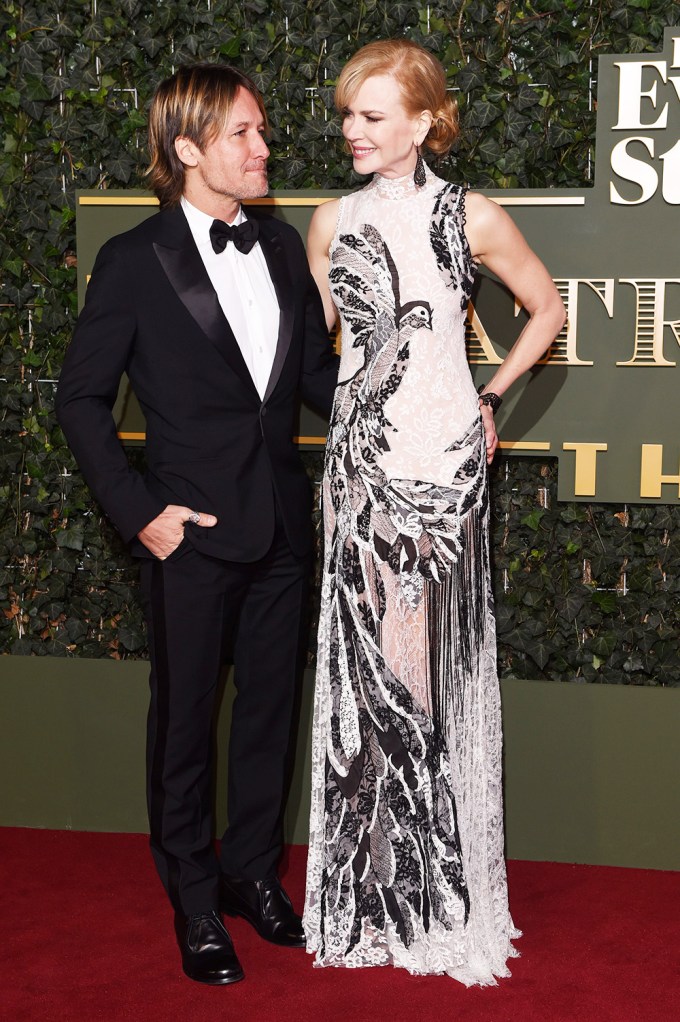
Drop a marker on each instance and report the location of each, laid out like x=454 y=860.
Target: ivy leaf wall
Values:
x=584 y=592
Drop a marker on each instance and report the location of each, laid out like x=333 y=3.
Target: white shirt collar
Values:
x=201 y=222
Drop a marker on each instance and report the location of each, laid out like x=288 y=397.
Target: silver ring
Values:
x=194 y=518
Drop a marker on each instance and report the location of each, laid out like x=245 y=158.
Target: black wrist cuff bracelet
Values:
x=490 y=399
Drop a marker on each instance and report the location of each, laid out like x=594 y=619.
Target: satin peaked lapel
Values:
x=275 y=256
x=183 y=266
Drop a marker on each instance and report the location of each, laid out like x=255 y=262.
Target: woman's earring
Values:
x=419 y=178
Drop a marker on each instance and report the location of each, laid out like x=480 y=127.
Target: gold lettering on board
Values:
x=651 y=471
x=563 y=349
x=585 y=467
x=632 y=94
x=650 y=322
x=480 y=350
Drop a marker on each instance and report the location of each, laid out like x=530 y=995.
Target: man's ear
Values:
x=187 y=151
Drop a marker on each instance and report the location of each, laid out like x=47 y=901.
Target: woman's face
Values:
x=381 y=133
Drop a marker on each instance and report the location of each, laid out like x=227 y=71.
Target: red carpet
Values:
x=87 y=935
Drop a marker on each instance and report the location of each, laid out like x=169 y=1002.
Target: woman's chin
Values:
x=363 y=166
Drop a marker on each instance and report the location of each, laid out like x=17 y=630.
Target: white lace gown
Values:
x=406 y=861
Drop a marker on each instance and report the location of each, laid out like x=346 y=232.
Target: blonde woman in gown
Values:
x=406 y=863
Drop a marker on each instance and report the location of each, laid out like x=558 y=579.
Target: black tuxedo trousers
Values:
x=216 y=446
x=198 y=609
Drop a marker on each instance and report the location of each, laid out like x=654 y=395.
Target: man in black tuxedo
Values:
x=214 y=316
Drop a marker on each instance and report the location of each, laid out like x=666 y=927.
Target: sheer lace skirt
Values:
x=406 y=862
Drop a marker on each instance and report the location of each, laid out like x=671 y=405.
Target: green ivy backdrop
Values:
x=584 y=592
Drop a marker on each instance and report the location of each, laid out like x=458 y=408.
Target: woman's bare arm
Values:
x=498 y=245
x=319 y=237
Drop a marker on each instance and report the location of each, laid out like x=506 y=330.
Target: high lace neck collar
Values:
x=399 y=187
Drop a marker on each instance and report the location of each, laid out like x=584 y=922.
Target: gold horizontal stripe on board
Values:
x=511 y=445
x=274 y=200
x=117 y=200
x=297 y=439
x=524 y=445
x=150 y=200
x=539 y=200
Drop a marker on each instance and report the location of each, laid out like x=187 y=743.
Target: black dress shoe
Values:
x=207 y=951
x=266 y=906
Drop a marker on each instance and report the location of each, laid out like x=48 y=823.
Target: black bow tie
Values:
x=244 y=236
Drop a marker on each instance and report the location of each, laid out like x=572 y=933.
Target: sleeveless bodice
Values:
x=401 y=271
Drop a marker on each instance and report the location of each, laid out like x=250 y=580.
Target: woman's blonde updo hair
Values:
x=420 y=77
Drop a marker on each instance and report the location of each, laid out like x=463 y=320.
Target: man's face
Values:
x=233 y=166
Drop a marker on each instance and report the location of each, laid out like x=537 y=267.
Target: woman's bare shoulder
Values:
x=479 y=208
x=487 y=225
x=322 y=224
x=326 y=213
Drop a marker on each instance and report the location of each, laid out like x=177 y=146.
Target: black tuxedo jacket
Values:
x=212 y=443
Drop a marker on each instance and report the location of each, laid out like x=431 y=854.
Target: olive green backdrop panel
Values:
x=72 y=748
x=591 y=773
x=589 y=770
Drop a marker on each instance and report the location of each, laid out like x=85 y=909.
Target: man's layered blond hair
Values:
x=195 y=103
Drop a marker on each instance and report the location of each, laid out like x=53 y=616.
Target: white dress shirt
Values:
x=245 y=292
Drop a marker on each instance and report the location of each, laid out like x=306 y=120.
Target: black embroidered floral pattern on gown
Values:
x=406 y=846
